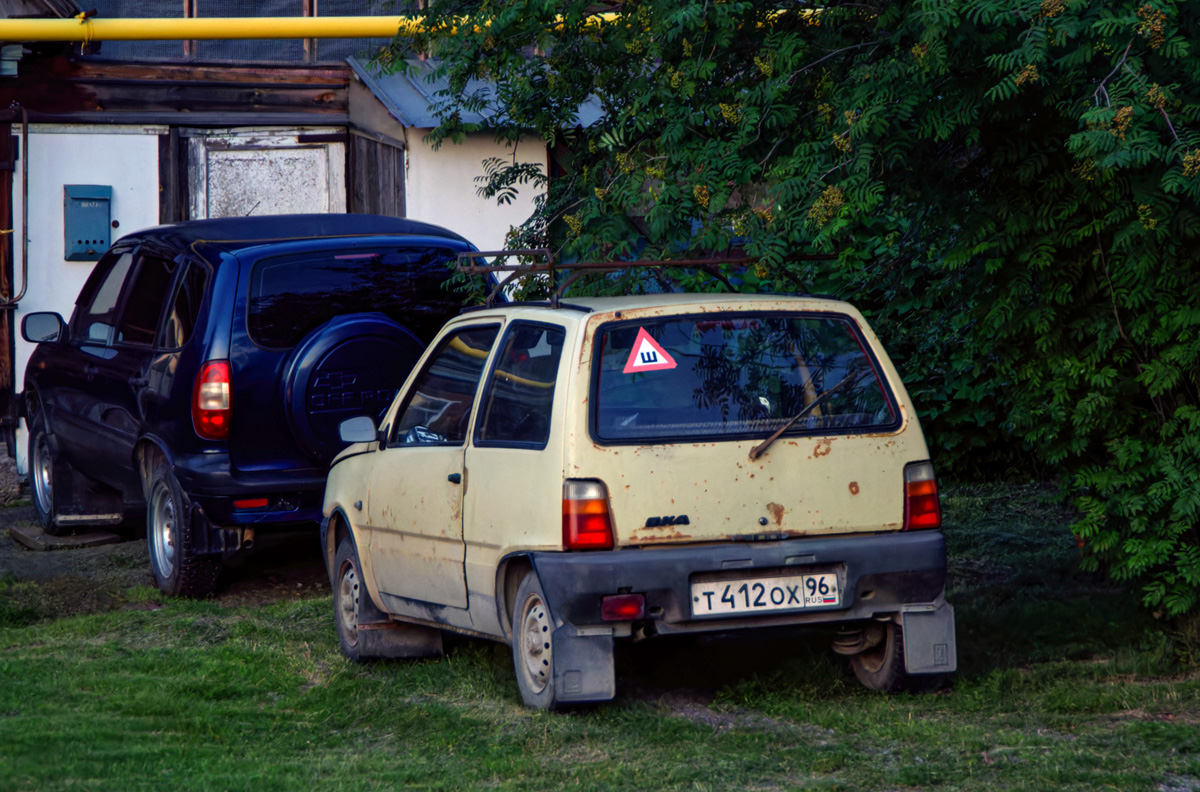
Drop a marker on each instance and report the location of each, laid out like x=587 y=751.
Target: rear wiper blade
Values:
x=762 y=447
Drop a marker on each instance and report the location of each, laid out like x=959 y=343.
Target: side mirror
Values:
x=43 y=327
x=360 y=429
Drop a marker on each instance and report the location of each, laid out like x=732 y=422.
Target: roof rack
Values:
x=578 y=268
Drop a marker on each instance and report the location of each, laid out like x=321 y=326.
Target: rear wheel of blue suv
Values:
x=206 y=367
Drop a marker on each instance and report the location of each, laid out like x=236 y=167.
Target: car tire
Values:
x=881 y=667
x=348 y=591
x=178 y=570
x=351 y=365
x=533 y=645
x=41 y=479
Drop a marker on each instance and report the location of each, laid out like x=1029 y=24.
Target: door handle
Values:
x=454 y=478
x=139 y=382
x=90 y=371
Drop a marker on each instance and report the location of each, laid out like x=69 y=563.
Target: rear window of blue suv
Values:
x=291 y=295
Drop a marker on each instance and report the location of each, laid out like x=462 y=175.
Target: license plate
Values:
x=765 y=594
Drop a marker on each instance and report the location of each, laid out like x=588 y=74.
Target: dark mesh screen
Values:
x=291 y=50
x=272 y=50
x=138 y=9
x=337 y=50
x=367 y=7
x=275 y=50
x=249 y=8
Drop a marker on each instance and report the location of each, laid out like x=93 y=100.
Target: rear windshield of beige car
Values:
x=738 y=376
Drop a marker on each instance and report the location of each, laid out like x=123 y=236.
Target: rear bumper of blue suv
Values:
x=231 y=500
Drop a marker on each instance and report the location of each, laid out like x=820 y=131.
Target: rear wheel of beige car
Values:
x=882 y=666
x=533 y=645
x=347 y=599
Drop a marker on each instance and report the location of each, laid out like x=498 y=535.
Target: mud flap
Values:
x=583 y=665
x=209 y=539
x=929 y=646
x=78 y=500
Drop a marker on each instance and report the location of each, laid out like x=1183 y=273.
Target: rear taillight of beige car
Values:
x=586 y=524
x=922 y=509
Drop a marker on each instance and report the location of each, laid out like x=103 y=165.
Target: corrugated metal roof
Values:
x=409 y=94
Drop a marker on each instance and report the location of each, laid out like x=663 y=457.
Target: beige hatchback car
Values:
x=558 y=478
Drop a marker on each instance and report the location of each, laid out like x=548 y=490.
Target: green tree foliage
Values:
x=1010 y=189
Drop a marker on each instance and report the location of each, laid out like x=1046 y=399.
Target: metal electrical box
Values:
x=87 y=218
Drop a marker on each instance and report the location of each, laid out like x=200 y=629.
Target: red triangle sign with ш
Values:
x=647 y=355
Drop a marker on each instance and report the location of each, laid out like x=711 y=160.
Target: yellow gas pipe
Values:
x=196 y=29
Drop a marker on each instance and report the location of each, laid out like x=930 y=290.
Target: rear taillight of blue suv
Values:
x=211 y=401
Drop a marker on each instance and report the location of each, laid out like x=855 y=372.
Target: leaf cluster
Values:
x=1011 y=191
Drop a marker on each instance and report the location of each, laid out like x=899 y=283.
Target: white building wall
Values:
x=123 y=157
x=442 y=189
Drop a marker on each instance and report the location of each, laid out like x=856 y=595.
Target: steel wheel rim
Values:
x=43 y=477
x=348 y=604
x=162 y=529
x=535 y=646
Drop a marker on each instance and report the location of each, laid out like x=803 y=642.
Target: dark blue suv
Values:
x=206 y=368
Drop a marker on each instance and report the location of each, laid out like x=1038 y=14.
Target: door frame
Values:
x=199 y=142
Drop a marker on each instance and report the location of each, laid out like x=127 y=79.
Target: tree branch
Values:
x=1100 y=88
x=1158 y=406
x=824 y=58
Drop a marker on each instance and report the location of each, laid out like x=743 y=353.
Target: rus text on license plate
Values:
x=764 y=594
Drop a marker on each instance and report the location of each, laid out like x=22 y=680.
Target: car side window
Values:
x=516 y=407
x=96 y=312
x=185 y=308
x=144 y=305
x=439 y=409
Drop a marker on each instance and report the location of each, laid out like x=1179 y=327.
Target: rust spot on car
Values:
x=776 y=510
x=853 y=487
x=677 y=536
x=823 y=448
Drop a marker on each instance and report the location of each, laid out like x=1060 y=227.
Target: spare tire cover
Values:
x=351 y=365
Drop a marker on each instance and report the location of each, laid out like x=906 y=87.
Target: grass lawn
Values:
x=1064 y=684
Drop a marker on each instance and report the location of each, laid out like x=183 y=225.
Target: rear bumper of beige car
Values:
x=884 y=575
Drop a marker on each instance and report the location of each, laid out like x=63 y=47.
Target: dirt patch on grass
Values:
x=45 y=584
x=1187 y=718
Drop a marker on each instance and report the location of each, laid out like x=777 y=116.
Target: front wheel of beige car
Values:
x=348 y=592
x=533 y=645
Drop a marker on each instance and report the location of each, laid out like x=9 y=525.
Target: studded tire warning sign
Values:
x=647 y=355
